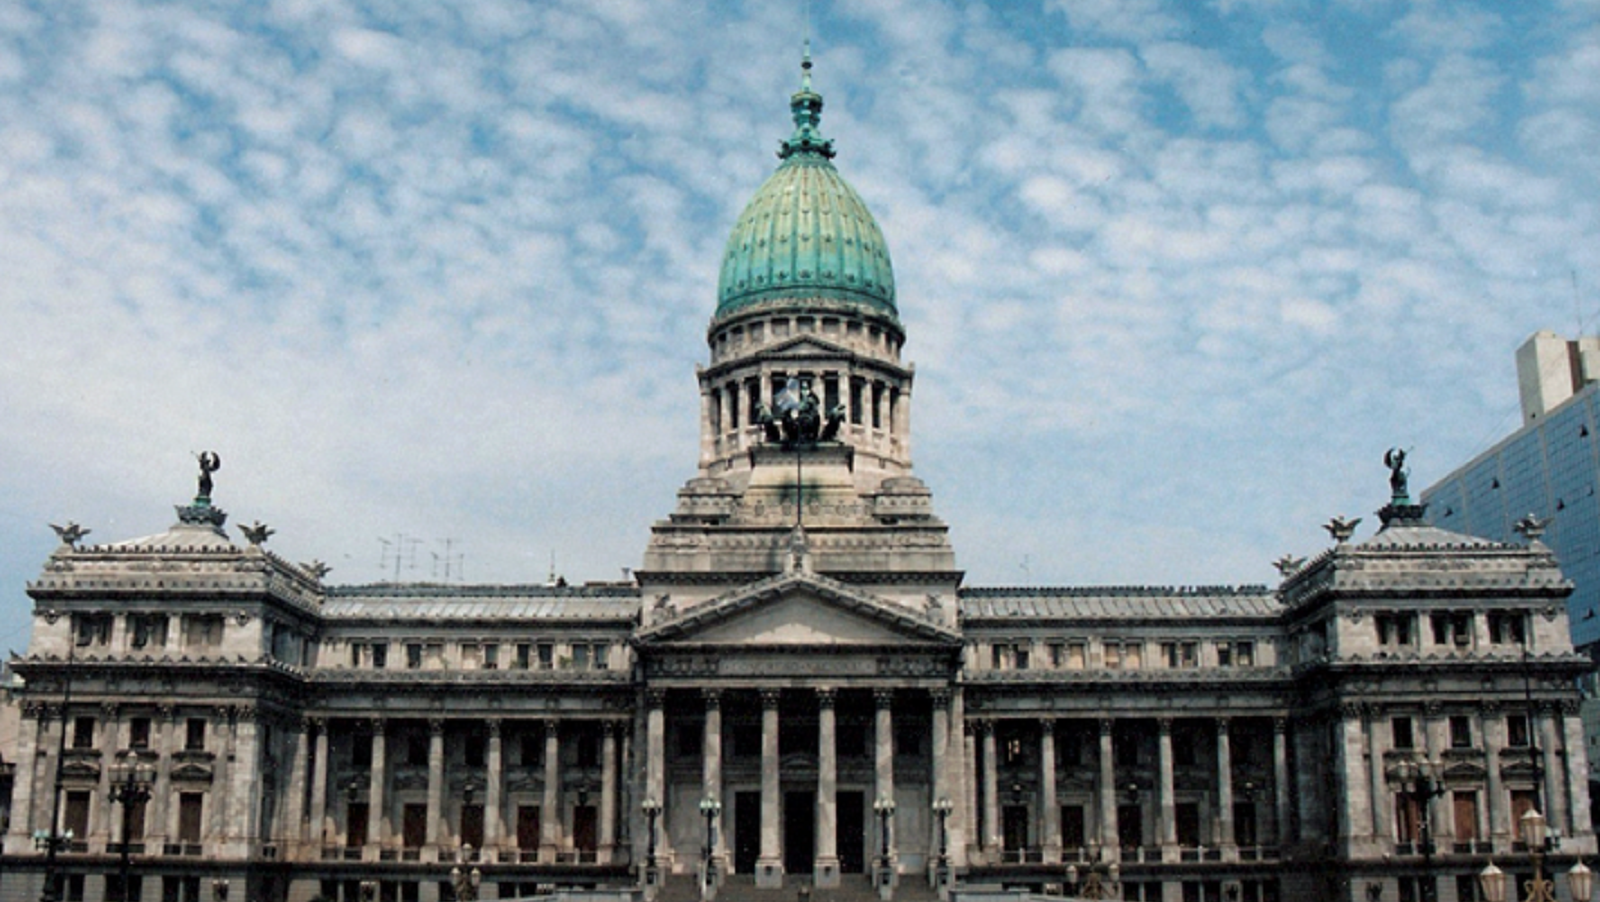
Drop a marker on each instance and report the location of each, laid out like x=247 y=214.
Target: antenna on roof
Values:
x=402 y=548
x=451 y=559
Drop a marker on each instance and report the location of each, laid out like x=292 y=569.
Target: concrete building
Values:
x=796 y=688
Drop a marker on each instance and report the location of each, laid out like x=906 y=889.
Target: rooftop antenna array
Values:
x=452 y=562
x=402 y=549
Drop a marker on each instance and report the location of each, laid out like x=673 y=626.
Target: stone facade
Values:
x=795 y=685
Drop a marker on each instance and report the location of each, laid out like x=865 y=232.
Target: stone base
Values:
x=825 y=874
x=769 y=873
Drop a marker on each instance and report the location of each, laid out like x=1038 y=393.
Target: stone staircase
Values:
x=742 y=888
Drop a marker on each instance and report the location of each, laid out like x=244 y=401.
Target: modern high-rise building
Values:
x=796 y=688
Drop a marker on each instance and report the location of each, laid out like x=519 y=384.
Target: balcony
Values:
x=183 y=849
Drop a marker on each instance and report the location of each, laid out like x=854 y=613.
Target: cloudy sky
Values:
x=1174 y=274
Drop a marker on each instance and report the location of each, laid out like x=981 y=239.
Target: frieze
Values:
x=909 y=665
x=688 y=665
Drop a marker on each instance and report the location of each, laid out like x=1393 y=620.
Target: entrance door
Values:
x=746 y=831
x=584 y=835
x=414 y=826
x=852 y=834
x=528 y=828
x=1014 y=820
x=799 y=832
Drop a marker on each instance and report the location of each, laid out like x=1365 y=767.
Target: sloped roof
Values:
x=466 y=603
x=1119 y=603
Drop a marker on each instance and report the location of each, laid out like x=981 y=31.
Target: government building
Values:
x=795 y=690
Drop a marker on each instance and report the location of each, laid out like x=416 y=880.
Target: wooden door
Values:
x=528 y=827
x=414 y=826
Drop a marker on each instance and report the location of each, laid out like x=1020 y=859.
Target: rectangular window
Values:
x=147 y=630
x=92 y=629
x=355 y=654
x=1400 y=733
x=524 y=655
x=202 y=630
x=1465 y=807
x=1077 y=654
x=1177 y=655
x=1020 y=657
x=491 y=657
x=74 y=887
x=580 y=656
x=547 y=656
x=416 y=750
x=1408 y=817
x=413 y=656
x=1113 y=655
x=1057 y=654
x=1517 y=731
x=194 y=737
x=83 y=732
x=997 y=657
x=76 y=816
x=602 y=656
x=380 y=655
x=139 y=733
x=1393 y=629
x=1224 y=654
x=1507 y=628
x=190 y=806
x=1460 y=731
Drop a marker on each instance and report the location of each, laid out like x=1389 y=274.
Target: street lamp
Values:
x=651 y=809
x=941 y=875
x=130 y=788
x=466 y=883
x=710 y=807
x=1089 y=884
x=1420 y=783
x=219 y=890
x=884 y=806
x=1536 y=835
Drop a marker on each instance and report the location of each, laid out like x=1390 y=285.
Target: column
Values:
x=19 y=839
x=940 y=778
x=1381 y=801
x=967 y=805
x=1049 y=805
x=435 y=785
x=883 y=760
x=1555 y=803
x=102 y=812
x=294 y=808
x=1108 y=794
x=377 y=832
x=608 y=790
x=769 y=867
x=320 y=828
x=827 y=866
x=54 y=723
x=1165 y=792
x=1280 y=780
x=1577 y=763
x=494 y=802
x=217 y=812
x=655 y=755
x=1349 y=750
x=244 y=772
x=991 y=790
x=1498 y=801
x=1225 y=792
x=711 y=778
x=1441 y=820
x=550 y=802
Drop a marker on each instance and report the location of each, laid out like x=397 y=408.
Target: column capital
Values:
x=1432 y=708
x=883 y=698
x=1569 y=706
x=713 y=698
x=611 y=727
x=654 y=698
x=494 y=726
x=984 y=726
x=436 y=726
x=1351 y=711
x=1106 y=723
x=826 y=696
x=940 y=697
x=1222 y=725
x=300 y=725
x=109 y=709
x=377 y=726
x=1280 y=725
x=769 y=698
x=1491 y=706
x=1164 y=725
x=166 y=712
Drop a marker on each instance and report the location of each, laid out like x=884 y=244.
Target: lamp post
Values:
x=53 y=842
x=466 y=883
x=710 y=807
x=651 y=809
x=941 y=875
x=884 y=806
x=1536 y=835
x=219 y=890
x=1421 y=781
x=1095 y=881
x=130 y=788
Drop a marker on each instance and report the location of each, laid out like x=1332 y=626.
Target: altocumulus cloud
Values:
x=1174 y=273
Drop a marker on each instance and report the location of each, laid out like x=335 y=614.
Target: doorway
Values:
x=746 y=831
x=799 y=831
x=1014 y=821
x=852 y=835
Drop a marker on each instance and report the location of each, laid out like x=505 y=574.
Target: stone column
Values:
x=218 y=814
x=319 y=827
x=53 y=721
x=550 y=802
x=655 y=756
x=1049 y=805
x=769 y=867
x=294 y=806
x=1441 y=820
x=711 y=744
x=494 y=776
x=435 y=785
x=1498 y=801
x=608 y=790
x=939 y=780
x=826 y=871
x=102 y=811
x=968 y=803
x=19 y=839
x=1554 y=802
x=1577 y=764
x=883 y=759
x=1108 y=793
x=244 y=771
x=1165 y=792
x=377 y=822
x=1382 y=803
x=991 y=790
x=1349 y=750
x=1225 y=792
x=1280 y=780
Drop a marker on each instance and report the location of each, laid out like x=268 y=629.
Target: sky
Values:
x=435 y=277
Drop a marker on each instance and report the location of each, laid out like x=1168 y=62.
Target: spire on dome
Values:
x=806 y=105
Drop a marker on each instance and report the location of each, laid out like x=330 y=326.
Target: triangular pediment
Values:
x=801 y=347
x=799 y=609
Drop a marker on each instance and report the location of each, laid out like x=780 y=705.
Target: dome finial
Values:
x=806 y=105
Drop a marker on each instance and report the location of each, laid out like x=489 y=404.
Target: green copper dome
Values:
x=806 y=233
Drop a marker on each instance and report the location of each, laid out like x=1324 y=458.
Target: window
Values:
x=1393 y=629
x=146 y=630
x=1077 y=654
x=83 y=733
x=1241 y=653
x=602 y=656
x=580 y=656
x=1452 y=628
x=1185 y=746
x=1408 y=817
x=547 y=656
x=1507 y=628
x=380 y=655
x=1123 y=654
x=202 y=630
x=1177 y=655
x=413 y=656
x=491 y=657
x=92 y=629
x=74 y=887
x=532 y=749
x=1465 y=807
x=1400 y=733
x=523 y=655
x=76 y=816
x=1460 y=731
x=1517 y=735
x=355 y=654
x=194 y=739
x=190 y=806
x=587 y=753
x=139 y=733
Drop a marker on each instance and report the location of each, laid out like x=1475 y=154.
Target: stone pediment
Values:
x=802 y=347
x=798 y=609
